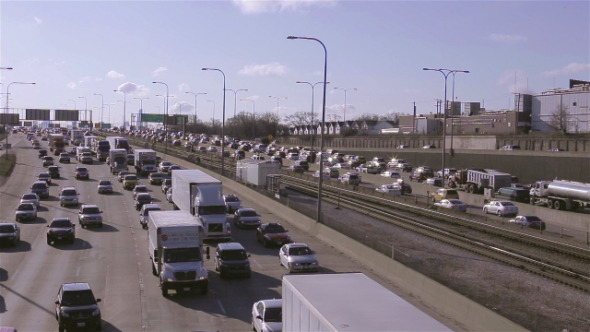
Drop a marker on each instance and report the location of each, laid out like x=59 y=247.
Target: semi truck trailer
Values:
x=476 y=180
x=560 y=194
x=145 y=161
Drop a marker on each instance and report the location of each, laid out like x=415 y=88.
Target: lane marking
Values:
x=221 y=306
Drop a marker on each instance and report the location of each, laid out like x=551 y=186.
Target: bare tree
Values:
x=559 y=118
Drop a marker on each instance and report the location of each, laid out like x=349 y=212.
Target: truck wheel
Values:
x=164 y=291
x=557 y=205
x=154 y=272
x=48 y=241
x=532 y=201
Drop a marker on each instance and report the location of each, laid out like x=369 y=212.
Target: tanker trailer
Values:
x=560 y=194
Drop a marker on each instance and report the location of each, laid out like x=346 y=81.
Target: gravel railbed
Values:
x=534 y=302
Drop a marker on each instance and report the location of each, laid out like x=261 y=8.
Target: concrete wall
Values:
x=445 y=301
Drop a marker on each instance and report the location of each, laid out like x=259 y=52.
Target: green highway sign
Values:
x=149 y=117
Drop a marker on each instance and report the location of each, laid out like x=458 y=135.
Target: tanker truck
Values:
x=560 y=194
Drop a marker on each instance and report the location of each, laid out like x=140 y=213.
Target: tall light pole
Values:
x=313 y=128
x=253 y=116
x=277 y=98
x=222 y=120
x=124 y=106
x=345 y=91
x=196 y=95
x=445 y=73
x=86 y=108
x=235 y=105
x=109 y=114
x=141 y=110
x=319 y=209
x=165 y=116
x=6 y=111
x=101 y=108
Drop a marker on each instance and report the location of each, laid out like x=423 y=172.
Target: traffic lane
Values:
x=89 y=259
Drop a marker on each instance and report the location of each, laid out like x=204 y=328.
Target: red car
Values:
x=272 y=233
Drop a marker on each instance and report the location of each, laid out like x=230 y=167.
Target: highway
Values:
x=114 y=261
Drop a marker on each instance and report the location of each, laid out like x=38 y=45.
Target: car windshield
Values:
x=273 y=315
x=26 y=207
x=156 y=175
x=61 y=223
x=105 y=183
x=6 y=229
x=44 y=175
x=69 y=192
x=234 y=255
x=455 y=201
x=144 y=198
x=275 y=229
x=299 y=251
x=77 y=298
x=39 y=186
x=130 y=177
x=248 y=213
x=182 y=255
x=141 y=189
x=81 y=169
x=506 y=204
x=207 y=210
x=532 y=218
x=231 y=199
x=29 y=196
x=91 y=210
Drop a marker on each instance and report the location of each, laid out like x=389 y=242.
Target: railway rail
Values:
x=410 y=215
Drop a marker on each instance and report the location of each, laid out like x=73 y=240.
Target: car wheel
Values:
x=485 y=211
x=205 y=290
x=265 y=243
x=164 y=291
x=154 y=272
x=48 y=241
x=499 y=213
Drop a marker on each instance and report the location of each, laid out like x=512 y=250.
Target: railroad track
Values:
x=400 y=214
x=385 y=210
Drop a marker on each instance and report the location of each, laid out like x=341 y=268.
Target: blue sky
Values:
x=75 y=49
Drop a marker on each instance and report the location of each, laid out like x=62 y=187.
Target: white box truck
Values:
x=117 y=142
x=348 y=302
x=117 y=160
x=77 y=137
x=201 y=195
x=175 y=249
x=145 y=161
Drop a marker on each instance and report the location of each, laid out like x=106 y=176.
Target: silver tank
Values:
x=570 y=189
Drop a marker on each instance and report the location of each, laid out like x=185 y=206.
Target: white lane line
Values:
x=221 y=306
x=78 y=272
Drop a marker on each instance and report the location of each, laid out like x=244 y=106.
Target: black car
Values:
x=61 y=229
x=42 y=153
x=141 y=199
x=76 y=307
x=54 y=172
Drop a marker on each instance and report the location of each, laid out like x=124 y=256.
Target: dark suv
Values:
x=513 y=194
x=61 y=229
x=231 y=259
x=76 y=307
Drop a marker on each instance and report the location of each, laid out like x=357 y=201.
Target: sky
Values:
x=376 y=52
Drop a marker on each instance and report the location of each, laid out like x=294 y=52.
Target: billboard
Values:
x=9 y=119
x=37 y=114
x=150 y=117
x=177 y=120
x=66 y=115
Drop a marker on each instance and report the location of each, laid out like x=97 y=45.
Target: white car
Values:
x=501 y=208
x=164 y=166
x=30 y=198
x=341 y=166
x=394 y=189
x=453 y=204
x=391 y=174
x=297 y=257
x=267 y=315
x=105 y=186
x=140 y=188
x=232 y=203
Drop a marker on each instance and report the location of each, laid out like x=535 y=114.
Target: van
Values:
x=513 y=194
x=231 y=259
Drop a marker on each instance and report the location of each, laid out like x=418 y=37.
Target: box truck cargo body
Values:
x=175 y=249
x=348 y=302
x=201 y=195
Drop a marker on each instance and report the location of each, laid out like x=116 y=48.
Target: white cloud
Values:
x=134 y=89
x=158 y=71
x=268 y=6
x=183 y=87
x=38 y=20
x=72 y=85
x=182 y=107
x=271 y=69
x=515 y=81
x=114 y=74
x=571 y=68
x=504 y=38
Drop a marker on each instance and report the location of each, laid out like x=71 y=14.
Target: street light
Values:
x=319 y=209
x=312 y=102
x=345 y=90
x=222 y=120
x=6 y=111
x=124 y=106
x=196 y=94
x=453 y=100
x=101 y=108
x=253 y=116
x=277 y=98
x=235 y=102
x=165 y=116
x=213 y=117
x=445 y=73
x=141 y=111
x=86 y=108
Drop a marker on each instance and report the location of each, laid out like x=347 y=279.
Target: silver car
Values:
x=89 y=215
x=68 y=196
x=246 y=217
x=144 y=213
x=26 y=211
x=105 y=186
x=267 y=315
x=501 y=208
x=297 y=257
x=30 y=198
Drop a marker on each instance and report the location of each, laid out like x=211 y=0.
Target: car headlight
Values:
x=96 y=312
x=64 y=313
